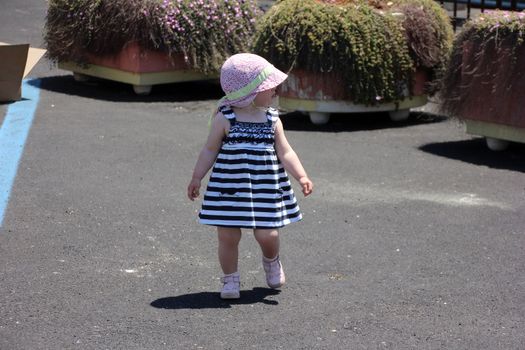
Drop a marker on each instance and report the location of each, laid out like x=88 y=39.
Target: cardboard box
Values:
x=16 y=63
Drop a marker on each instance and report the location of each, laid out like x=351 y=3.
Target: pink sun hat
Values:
x=244 y=75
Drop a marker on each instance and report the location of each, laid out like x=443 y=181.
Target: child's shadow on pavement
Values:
x=209 y=300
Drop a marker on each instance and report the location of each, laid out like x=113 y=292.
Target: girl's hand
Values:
x=307 y=185
x=193 y=188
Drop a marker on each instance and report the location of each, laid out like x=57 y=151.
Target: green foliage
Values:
x=367 y=43
x=428 y=30
x=495 y=35
x=207 y=32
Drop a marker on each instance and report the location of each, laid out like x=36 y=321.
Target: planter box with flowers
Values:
x=484 y=84
x=355 y=55
x=147 y=42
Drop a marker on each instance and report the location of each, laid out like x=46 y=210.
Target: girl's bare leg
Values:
x=229 y=238
x=269 y=242
x=268 y=239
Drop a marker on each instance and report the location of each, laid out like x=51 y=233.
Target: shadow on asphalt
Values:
x=9 y=102
x=107 y=90
x=475 y=151
x=347 y=122
x=209 y=300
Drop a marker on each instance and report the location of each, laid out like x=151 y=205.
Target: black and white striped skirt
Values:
x=249 y=188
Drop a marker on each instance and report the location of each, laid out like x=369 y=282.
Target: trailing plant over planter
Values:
x=488 y=49
x=207 y=32
x=374 y=45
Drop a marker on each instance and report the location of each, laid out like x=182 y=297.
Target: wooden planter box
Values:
x=320 y=94
x=494 y=103
x=136 y=66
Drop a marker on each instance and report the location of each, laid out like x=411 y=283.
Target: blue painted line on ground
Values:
x=13 y=135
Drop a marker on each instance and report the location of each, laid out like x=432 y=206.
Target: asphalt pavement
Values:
x=414 y=237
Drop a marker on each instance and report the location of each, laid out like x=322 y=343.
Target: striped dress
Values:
x=248 y=186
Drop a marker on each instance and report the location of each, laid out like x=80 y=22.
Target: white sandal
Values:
x=274 y=272
x=231 y=288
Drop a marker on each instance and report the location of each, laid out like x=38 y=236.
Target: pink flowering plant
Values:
x=501 y=23
x=206 y=32
x=494 y=38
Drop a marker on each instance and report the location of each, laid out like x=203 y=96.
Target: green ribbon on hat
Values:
x=245 y=90
x=248 y=89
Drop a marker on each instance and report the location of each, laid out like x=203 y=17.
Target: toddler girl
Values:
x=248 y=186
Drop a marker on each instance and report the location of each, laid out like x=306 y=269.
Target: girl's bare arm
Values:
x=208 y=154
x=290 y=160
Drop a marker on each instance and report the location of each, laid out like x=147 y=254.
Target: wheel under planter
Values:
x=320 y=94
x=139 y=67
x=497 y=136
